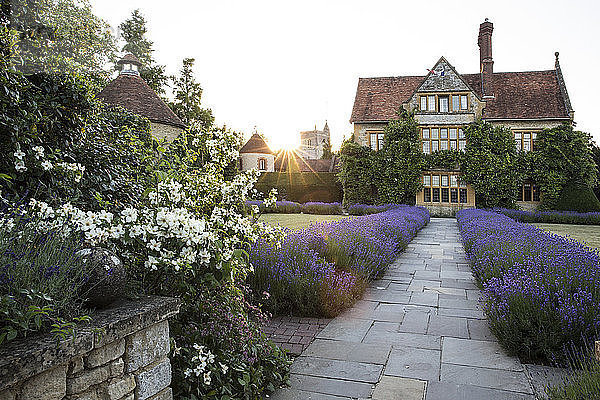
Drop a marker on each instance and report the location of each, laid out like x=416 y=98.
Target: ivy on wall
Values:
x=490 y=164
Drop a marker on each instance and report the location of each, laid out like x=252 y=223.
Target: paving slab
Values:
x=350 y=330
x=542 y=376
x=452 y=391
x=295 y=394
x=392 y=388
x=329 y=386
x=478 y=353
x=511 y=381
x=337 y=369
x=416 y=363
x=349 y=351
x=448 y=326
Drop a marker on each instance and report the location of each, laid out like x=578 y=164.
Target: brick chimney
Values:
x=485 y=57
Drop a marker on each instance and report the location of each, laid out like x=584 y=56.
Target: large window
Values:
x=525 y=141
x=436 y=138
x=529 y=192
x=376 y=140
x=444 y=102
x=443 y=188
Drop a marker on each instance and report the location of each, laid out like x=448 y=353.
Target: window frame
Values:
x=432 y=102
x=430 y=134
x=441 y=187
x=379 y=140
x=264 y=161
x=525 y=144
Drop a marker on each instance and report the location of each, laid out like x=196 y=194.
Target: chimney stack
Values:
x=485 y=57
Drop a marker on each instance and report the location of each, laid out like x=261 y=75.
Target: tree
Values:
x=327 y=154
x=133 y=31
x=400 y=162
x=563 y=156
x=490 y=165
x=59 y=35
x=188 y=95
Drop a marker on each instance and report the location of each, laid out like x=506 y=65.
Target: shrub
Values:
x=552 y=217
x=322 y=208
x=542 y=290
x=301 y=186
x=41 y=281
x=365 y=209
x=323 y=269
x=584 y=382
x=280 y=207
x=579 y=198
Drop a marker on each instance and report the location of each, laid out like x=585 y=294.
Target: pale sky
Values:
x=286 y=66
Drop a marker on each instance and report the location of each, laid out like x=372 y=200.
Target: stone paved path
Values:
x=418 y=333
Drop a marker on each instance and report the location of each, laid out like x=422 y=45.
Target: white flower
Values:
x=207 y=378
x=19 y=154
x=117 y=231
x=39 y=151
x=154 y=245
x=224 y=368
x=47 y=165
x=20 y=166
x=130 y=214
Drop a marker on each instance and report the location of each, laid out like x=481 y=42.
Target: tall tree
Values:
x=327 y=153
x=133 y=31
x=188 y=94
x=59 y=35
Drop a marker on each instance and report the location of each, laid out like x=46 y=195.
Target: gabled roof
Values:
x=133 y=93
x=256 y=144
x=518 y=95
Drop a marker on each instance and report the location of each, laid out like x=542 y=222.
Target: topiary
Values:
x=577 y=197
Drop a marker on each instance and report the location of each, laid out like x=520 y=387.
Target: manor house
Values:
x=444 y=101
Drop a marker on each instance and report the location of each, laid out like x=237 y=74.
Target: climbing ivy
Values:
x=490 y=164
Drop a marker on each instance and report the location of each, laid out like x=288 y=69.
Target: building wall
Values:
x=250 y=160
x=528 y=125
x=162 y=131
x=361 y=131
x=315 y=150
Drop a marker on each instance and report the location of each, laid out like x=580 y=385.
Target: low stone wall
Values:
x=121 y=355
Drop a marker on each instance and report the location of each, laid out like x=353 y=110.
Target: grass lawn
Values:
x=297 y=221
x=589 y=234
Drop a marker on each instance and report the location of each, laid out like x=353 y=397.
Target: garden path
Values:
x=418 y=333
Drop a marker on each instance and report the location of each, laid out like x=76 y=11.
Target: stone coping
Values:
x=24 y=358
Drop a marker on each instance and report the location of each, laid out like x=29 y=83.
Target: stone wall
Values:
x=121 y=355
x=250 y=160
x=163 y=131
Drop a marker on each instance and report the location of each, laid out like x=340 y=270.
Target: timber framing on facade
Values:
x=444 y=101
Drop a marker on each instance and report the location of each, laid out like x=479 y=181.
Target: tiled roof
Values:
x=379 y=99
x=256 y=144
x=129 y=58
x=518 y=95
x=133 y=93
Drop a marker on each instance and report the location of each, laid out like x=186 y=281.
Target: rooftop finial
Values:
x=486 y=20
x=556 y=55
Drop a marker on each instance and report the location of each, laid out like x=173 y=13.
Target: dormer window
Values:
x=444 y=103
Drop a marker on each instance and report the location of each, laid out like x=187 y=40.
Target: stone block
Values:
x=75 y=366
x=105 y=354
x=147 y=346
x=166 y=394
x=8 y=394
x=84 y=380
x=89 y=395
x=153 y=380
x=49 y=385
x=336 y=369
x=117 y=388
x=117 y=367
x=415 y=363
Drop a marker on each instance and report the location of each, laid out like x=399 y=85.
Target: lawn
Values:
x=588 y=234
x=297 y=221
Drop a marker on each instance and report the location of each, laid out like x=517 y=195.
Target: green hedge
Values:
x=302 y=187
x=580 y=198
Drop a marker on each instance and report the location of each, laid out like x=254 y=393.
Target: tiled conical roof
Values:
x=256 y=144
x=130 y=91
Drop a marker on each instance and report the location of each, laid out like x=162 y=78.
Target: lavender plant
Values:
x=323 y=269
x=552 y=217
x=542 y=291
